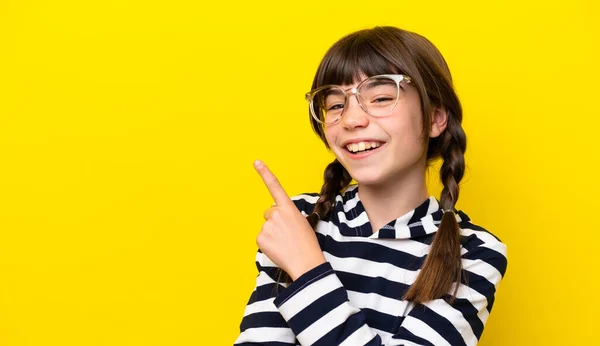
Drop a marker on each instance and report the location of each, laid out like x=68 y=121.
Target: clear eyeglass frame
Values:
x=398 y=78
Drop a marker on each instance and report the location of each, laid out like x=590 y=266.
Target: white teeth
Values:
x=361 y=146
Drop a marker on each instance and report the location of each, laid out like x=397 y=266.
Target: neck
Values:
x=386 y=202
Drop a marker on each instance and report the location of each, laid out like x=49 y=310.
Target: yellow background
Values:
x=128 y=202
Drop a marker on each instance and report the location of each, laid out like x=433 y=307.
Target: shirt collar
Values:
x=352 y=218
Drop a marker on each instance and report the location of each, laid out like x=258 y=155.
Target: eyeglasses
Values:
x=376 y=95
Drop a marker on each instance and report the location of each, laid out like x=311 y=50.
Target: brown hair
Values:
x=383 y=50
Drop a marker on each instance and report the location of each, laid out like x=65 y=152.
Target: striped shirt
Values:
x=355 y=298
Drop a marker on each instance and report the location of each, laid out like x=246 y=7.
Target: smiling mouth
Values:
x=362 y=147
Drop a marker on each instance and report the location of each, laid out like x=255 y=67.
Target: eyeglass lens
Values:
x=376 y=95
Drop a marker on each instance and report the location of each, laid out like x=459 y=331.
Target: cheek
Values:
x=411 y=118
x=330 y=136
x=407 y=129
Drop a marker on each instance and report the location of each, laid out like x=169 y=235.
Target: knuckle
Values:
x=275 y=214
x=269 y=213
x=273 y=181
x=260 y=238
x=264 y=228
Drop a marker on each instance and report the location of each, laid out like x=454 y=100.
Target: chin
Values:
x=367 y=176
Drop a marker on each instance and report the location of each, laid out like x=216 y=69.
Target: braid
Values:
x=453 y=147
x=336 y=178
x=443 y=266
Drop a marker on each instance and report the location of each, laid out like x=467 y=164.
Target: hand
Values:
x=286 y=236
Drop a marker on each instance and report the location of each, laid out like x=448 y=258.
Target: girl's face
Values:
x=398 y=150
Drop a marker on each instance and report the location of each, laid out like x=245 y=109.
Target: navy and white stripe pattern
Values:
x=355 y=298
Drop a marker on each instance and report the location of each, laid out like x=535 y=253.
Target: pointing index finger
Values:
x=275 y=189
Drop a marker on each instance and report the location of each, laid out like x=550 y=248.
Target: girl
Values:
x=380 y=262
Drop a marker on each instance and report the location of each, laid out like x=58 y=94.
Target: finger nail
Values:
x=258 y=164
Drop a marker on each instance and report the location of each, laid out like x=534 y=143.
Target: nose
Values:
x=354 y=116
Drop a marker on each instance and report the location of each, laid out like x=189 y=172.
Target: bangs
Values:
x=389 y=50
x=354 y=57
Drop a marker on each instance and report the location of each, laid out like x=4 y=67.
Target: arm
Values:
x=317 y=309
x=461 y=323
x=262 y=324
x=287 y=241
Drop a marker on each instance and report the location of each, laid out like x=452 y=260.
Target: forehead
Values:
x=359 y=77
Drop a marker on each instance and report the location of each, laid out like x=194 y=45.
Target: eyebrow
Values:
x=333 y=91
x=381 y=81
x=374 y=83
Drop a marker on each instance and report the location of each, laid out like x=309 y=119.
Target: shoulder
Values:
x=482 y=247
x=305 y=202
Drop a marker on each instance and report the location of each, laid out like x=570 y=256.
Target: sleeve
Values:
x=262 y=324
x=317 y=309
x=461 y=323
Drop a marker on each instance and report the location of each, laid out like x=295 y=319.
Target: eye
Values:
x=381 y=99
x=334 y=107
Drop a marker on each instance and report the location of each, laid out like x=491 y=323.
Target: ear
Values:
x=439 y=121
